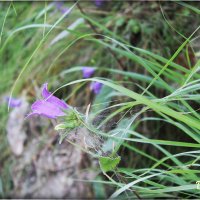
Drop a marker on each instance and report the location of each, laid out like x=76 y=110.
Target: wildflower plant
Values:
x=72 y=120
x=144 y=112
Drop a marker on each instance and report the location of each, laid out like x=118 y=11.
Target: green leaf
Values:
x=108 y=164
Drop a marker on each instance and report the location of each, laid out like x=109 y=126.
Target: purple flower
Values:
x=88 y=72
x=52 y=99
x=60 y=7
x=13 y=102
x=96 y=87
x=99 y=3
x=50 y=106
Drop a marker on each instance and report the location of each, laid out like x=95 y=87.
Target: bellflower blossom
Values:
x=13 y=102
x=99 y=3
x=60 y=7
x=50 y=107
x=88 y=72
x=96 y=87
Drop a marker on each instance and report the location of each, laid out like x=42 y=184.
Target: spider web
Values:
x=102 y=131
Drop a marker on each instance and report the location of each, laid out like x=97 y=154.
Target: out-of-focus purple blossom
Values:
x=50 y=106
x=13 y=102
x=60 y=6
x=96 y=87
x=99 y=3
x=88 y=72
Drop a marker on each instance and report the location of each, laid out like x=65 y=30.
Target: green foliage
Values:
x=109 y=164
x=147 y=114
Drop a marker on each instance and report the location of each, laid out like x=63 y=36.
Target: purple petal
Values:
x=96 y=87
x=60 y=6
x=88 y=72
x=45 y=92
x=47 y=109
x=13 y=102
x=99 y=3
x=64 y=10
x=52 y=99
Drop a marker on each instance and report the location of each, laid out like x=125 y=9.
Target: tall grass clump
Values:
x=143 y=122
